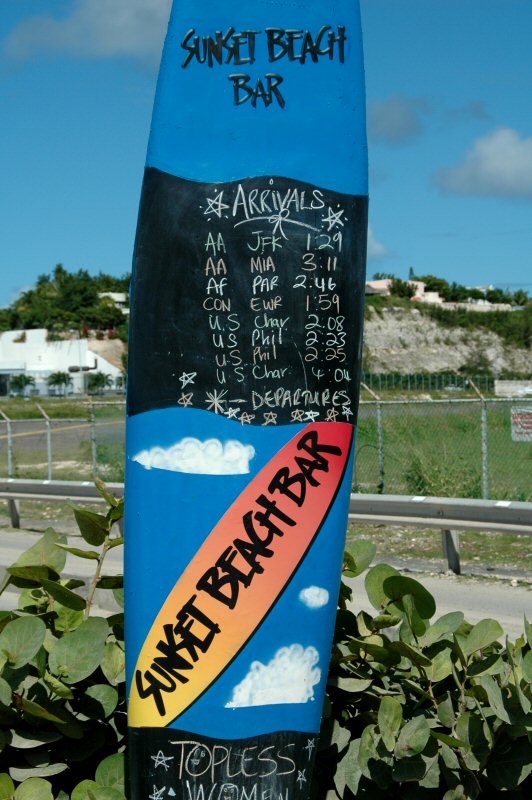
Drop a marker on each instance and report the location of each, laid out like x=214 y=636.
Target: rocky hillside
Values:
x=407 y=341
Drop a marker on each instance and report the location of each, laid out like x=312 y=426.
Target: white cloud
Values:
x=314 y=596
x=498 y=164
x=396 y=119
x=96 y=29
x=375 y=248
x=289 y=677
x=211 y=457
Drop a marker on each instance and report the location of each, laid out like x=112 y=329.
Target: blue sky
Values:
x=449 y=88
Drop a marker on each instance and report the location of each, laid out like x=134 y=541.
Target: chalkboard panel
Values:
x=248 y=299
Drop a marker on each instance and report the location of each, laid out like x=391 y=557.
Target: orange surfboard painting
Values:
x=238 y=574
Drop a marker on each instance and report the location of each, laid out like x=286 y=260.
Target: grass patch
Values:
x=489 y=550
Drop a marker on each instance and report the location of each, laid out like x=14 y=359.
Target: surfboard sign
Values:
x=244 y=363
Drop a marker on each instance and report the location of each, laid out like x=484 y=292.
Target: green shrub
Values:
x=415 y=708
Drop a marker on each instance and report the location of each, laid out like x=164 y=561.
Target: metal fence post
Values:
x=48 y=439
x=451 y=550
x=484 y=427
x=380 y=437
x=9 y=432
x=94 y=451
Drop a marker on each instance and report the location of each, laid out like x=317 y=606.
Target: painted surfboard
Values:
x=245 y=348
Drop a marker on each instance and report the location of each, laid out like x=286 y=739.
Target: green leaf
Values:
x=90 y=790
x=508 y=769
x=5 y=692
x=114 y=663
x=390 y=717
x=110 y=772
x=441 y=666
x=27 y=577
x=22 y=774
x=93 y=555
x=528 y=631
x=64 y=596
x=21 y=640
x=118 y=595
x=412 y=738
x=99 y=702
x=446 y=711
x=384 y=621
x=527 y=667
x=374 y=584
x=448 y=623
x=105 y=493
x=362 y=553
x=111 y=582
x=28 y=740
x=495 y=697
x=93 y=527
x=57 y=687
x=409 y=769
x=396 y=587
x=481 y=636
x=7 y=787
x=348 y=772
x=46 y=552
x=116 y=542
x=415 y=656
x=34 y=789
x=78 y=654
x=451 y=741
x=36 y=710
x=66 y=619
x=350 y=684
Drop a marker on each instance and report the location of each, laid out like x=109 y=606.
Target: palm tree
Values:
x=19 y=383
x=59 y=380
x=98 y=381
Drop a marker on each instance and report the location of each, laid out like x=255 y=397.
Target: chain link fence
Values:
x=478 y=448
x=65 y=449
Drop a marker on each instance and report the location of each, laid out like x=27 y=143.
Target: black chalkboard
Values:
x=248 y=299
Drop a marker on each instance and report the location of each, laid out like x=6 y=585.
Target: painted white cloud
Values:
x=289 y=677
x=96 y=29
x=314 y=596
x=498 y=165
x=211 y=457
x=396 y=119
x=375 y=248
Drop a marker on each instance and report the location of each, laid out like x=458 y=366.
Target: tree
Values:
x=19 y=383
x=401 y=288
x=98 y=381
x=59 y=380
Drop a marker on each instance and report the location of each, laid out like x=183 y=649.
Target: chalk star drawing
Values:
x=186 y=378
x=270 y=418
x=301 y=778
x=333 y=219
x=185 y=400
x=215 y=401
x=157 y=793
x=160 y=760
x=246 y=418
x=311 y=415
x=232 y=413
x=311 y=744
x=216 y=205
x=297 y=415
x=346 y=411
x=278 y=220
x=332 y=413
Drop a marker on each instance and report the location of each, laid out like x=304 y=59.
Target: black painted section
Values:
x=255 y=288
x=273 y=766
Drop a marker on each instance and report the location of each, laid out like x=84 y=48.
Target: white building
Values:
x=120 y=300
x=30 y=353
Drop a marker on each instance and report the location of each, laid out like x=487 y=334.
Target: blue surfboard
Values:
x=244 y=363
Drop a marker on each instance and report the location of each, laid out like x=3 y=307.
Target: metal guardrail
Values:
x=449 y=515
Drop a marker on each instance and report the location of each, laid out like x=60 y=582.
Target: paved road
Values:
x=476 y=598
